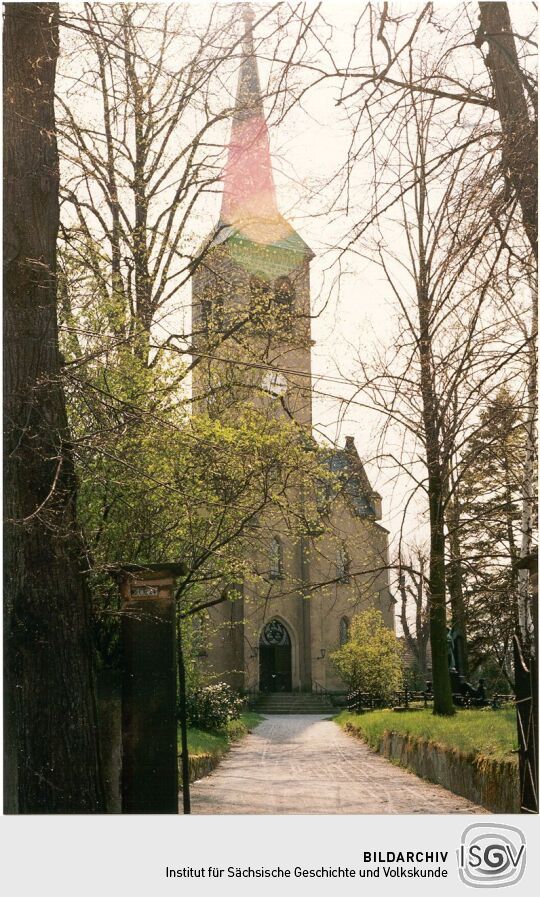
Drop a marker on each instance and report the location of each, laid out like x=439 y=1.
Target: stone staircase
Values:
x=299 y=702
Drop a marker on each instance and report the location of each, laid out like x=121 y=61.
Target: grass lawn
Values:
x=215 y=744
x=489 y=733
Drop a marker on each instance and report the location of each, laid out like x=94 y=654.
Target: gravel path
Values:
x=306 y=764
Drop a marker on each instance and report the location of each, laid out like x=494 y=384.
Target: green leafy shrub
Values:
x=212 y=707
x=371 y=661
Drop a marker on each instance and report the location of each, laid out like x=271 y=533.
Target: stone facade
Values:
x=321 y=583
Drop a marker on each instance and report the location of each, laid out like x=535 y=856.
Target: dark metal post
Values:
x=525 y=672
x=186 y=797
x=526 y=688
x=149 y=728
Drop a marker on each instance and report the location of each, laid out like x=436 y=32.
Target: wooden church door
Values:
x=275 y=661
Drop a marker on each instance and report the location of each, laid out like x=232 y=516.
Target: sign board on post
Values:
x=149 y=728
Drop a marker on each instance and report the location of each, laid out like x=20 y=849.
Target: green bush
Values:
x=371 y=661
x=212 y=707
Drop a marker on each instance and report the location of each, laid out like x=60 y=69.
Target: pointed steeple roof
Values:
x=249 y=193
x=249 y=206
x=248 y=94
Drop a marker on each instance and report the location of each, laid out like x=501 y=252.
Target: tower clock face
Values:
x=274 y=383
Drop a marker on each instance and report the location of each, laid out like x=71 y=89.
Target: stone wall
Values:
x=493 y=784
x=366 y=543
x=202 y=765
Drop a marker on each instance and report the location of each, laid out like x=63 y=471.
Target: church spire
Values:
x=249 y=196
x=248 y=94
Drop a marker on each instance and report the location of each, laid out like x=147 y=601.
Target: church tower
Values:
x=252 y=342
x=251 y=293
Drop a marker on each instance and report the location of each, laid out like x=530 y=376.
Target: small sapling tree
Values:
x=371 y=661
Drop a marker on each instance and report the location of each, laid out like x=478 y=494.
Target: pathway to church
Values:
x=306 y=764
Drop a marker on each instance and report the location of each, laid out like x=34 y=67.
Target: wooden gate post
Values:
x=149 y=726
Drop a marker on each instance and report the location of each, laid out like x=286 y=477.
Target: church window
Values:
x=284 y=294
x=200 y=635
x=212 y=312
x=343 y=631
x=343 y=564
x=259 y=298
x=214 y=392
x=274 y=633
x=276 y=559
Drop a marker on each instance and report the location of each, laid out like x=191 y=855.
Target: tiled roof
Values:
x=353 y=481
x=288 y=242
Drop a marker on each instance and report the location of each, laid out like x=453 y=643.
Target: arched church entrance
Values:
x=275 y=658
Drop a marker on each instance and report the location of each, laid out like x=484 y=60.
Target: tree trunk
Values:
x=442 y=692
x=143 y=289
x=51 y=709
x=118 y=312
x=525 y=610
x=519 y=139
x=416 y=643
x=455 y=581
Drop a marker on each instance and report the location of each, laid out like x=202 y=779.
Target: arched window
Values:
x=212 y=311
x=343 y=564
x=260 y=296
x=274 y=633
x=200 y=635
x=284 y=294
x=276 y=558
x=343 y=631
x=215 y=392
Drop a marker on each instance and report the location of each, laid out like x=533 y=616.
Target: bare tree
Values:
x=139 y=155
x=413 y=585
x=447 y=353
x=144 y=152
x=450 y=191
x=516 y=100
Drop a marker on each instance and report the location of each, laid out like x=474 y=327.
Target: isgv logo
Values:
x=491 y=855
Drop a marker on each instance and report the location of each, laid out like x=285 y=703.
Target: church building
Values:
x=257 y=268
